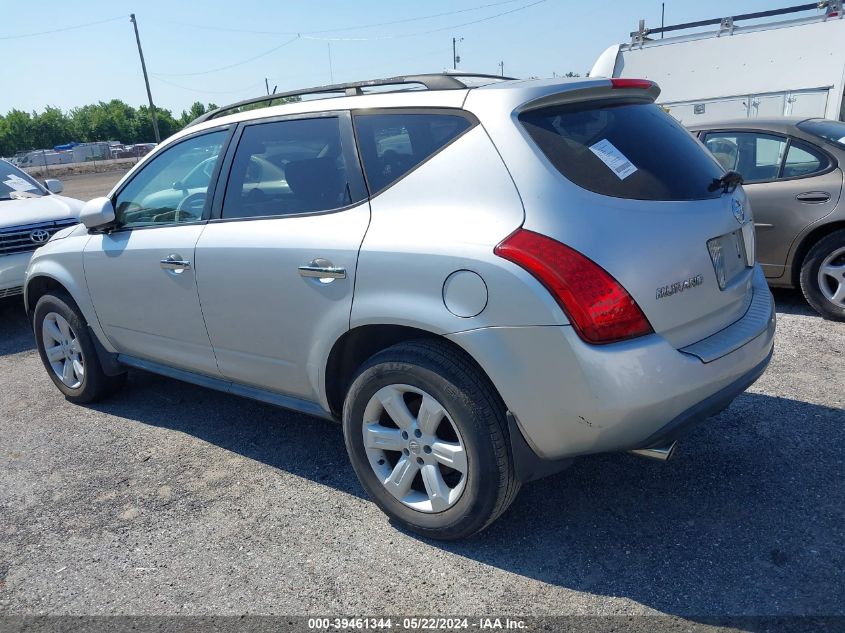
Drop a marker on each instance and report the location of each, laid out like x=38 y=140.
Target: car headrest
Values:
x=316 y=181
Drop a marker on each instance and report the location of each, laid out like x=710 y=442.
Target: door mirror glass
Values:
x=53 y=185
x=97 y=213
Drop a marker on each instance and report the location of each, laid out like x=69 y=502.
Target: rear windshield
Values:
x=833 y=131
x=625 y=150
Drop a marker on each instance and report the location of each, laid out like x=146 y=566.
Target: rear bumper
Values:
x=570 y=398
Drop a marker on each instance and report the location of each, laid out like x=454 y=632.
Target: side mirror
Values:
x=97 y=213
x=54 y=186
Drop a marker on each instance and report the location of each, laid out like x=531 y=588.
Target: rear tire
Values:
x=823 y=276
x=437 y=459
x=68 y=353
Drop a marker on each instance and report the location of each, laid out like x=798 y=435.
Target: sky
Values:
x=222 y=51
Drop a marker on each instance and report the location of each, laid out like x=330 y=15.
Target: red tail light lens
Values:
x=600 y=309
x=621 y=82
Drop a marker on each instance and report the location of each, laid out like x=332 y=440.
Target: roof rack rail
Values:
x=833 y=7
x=434 y=81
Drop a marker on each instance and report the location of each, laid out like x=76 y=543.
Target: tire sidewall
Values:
x=479 y=496
x=60 y=305
x=810 y=276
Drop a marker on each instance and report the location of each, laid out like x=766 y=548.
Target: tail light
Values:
x=599 y=308
x=622 y=82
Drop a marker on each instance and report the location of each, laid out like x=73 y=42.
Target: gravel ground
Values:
x=87 y=186
x=172 y=499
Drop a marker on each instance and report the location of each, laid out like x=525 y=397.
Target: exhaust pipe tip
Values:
x=660 y=453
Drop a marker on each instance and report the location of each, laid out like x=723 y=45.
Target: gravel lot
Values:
x=173 y=499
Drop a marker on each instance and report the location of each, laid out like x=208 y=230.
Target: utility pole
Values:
x=146 y=79
x=502 y=68
x=455 y=58
x=331 y=69
x=267 y=85
x=662 y=17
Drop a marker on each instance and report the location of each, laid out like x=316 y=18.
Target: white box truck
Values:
x=782 y=62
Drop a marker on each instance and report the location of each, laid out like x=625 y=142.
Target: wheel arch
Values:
x=50 y=276
x=806 y=244
x=358 y=344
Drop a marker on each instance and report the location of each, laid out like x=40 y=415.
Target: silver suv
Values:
x=482 y=279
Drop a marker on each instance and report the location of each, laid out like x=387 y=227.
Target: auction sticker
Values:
x=613 y=158
x=16 y=183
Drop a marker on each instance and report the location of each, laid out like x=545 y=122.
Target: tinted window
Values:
x=624 y=150
x=173 y=187
x=833 y=131
x=287 y=168
x=755 y=155
x=803 y=160
x=391 y=145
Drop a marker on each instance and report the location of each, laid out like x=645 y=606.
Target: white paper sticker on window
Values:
x=16 y=183
x=613 y=158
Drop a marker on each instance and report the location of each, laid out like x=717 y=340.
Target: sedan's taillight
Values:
x=599 y=308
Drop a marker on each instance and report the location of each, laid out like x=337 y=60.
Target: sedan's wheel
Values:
x=68 y=353
x=823 y=276
x=63 y=350
x=427 y=436
x=414 y=448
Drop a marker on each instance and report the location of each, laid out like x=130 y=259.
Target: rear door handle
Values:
x=174 y=262
x=813 y=196
x=322 y=269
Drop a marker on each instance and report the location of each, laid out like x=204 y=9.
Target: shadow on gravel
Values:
x=15 y=335
x=306 y=446
x=749 y=518
x=791 y=301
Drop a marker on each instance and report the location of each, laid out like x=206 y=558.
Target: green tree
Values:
x=50 y=128
x=19 y=133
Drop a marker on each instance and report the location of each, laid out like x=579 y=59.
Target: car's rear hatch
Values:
x=606 y=172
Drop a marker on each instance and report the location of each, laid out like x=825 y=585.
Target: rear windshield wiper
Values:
x=727 y=183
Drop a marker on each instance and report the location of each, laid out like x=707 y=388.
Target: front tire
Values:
x=427 y=437
x=68 y=352
x=823 y=276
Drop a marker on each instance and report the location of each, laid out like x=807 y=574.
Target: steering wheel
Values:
x=190 y=207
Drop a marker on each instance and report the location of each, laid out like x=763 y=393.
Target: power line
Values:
x=333 y=39
x=339 y=29
x=215 y=92
x=227 y=67
x=66 y=28
x=403 y=35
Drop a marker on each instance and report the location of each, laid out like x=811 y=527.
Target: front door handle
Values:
x=816 y=197
x=322 y=269
x=175 y=262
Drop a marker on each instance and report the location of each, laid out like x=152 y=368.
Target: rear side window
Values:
x=391 y=145
x=288 y=168
x=632 y=150
x=803 y=160
x=755 y=155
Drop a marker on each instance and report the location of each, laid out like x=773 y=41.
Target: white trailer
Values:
x=791 y=67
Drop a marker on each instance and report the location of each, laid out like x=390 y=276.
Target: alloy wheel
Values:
x=63 y=350
x=414 y=448
x=831 y=277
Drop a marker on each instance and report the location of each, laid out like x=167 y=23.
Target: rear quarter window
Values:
x=624 y=150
